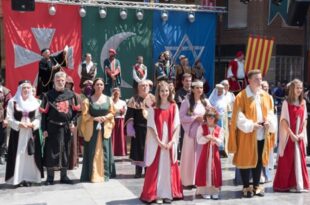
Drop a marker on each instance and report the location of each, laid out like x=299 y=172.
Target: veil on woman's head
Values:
x=28 y=105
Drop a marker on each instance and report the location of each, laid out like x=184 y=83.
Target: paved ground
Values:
x=126 y=190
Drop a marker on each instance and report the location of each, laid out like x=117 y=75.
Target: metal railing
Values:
x=139 y=5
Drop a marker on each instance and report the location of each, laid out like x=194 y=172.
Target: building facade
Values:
x=260 y=18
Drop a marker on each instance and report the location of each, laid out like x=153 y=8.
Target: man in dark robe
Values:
x=48 y=66
x=59 y=111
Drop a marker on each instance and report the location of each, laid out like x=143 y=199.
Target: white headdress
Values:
x=28 y=105
x=197 y=84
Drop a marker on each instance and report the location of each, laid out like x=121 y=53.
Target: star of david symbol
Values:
x=185 y=45
x=43 y=37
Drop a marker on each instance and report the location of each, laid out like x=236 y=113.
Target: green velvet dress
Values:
x=94 y=151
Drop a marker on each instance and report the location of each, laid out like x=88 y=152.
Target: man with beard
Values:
x=59 y=108
x=164 y=69
x=139 y=72
x=48 y=66
x=112 y=72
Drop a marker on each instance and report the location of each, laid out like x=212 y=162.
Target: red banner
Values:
x=27 y=33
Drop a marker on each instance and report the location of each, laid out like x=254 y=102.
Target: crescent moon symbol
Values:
x=114 y=42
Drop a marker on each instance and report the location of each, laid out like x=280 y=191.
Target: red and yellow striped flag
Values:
x=258 y=54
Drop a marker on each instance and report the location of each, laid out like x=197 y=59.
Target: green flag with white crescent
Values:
x=130 y=38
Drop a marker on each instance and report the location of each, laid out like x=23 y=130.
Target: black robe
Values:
x=59 y=110
x=135 y=112
x=46 y=74
x=13 y=146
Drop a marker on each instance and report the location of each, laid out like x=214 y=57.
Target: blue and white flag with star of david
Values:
x=194 y=40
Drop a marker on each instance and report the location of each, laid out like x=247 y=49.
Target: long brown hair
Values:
x=192 y=101
x=157 y=96
x=291 y=92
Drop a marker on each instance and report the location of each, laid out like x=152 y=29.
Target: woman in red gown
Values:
x=162 y=179
x=118 y=135
x=292 y=174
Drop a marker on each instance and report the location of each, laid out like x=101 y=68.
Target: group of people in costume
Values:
x=176 y=136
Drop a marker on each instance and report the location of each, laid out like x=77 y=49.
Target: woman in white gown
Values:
x=24 y=164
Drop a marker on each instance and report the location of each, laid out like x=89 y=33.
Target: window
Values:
x=237 y=14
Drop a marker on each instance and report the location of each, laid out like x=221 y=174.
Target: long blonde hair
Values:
x=291 y=91
x=157 y=95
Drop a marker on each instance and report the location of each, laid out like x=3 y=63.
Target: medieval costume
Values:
x=87 y=71
x=292 y=171
x=135 y=122
x=46 y=71
x=98 y=160
x=139 y=73
x=59 y=112
x=74 y=156
x=198 y=71
x=180 y=95
x=236 y=74
x=180 y=71
x=162 y=178
x=164 y=70
x=190 y=149
x=86 y=92
x=118 y=134
x=251 y=148
x=5 y=96
x=112 y=73
x=24 y=166
x=209 y=172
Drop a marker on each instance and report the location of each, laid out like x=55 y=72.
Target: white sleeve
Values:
x=95 y=74
x=284 y=112
x=229 y=72
x=220 y=139
x=80 y=70
x=125 y=106
x=134 y=75
x=305 y=126
x=244 y=124
x=200 y=138
x=14 y=124
x=271 y=118
x=37 y=120
x=145 y=75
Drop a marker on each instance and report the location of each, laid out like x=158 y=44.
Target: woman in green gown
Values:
x=97 y=124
